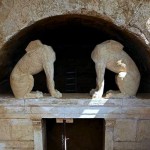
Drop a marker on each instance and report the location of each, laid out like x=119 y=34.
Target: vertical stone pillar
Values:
x=109 y=132
x=39 y=135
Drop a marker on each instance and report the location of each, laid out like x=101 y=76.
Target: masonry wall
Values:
x=18 y=14
x=127 y=128
x=16 y=134
x=127 y=121
x=130 y=134
x=127 y=134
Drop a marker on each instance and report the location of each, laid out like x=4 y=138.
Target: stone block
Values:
x=22 y=129
x=17 y=145
x=5 y=129
x=125 y=146
x=143 y=130
x=131 y=146
x=125 y=130
x=108 y=140
x=136 y=110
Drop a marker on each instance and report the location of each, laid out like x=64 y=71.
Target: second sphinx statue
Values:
x=38 y=57
x=110 y=55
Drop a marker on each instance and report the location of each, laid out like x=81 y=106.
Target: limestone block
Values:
x=10 y=110
x=136 y=110
x=74 y=110
x=143 y=130
x=39 y=134
x=109 y=140
x=125 y=130
x=125 y=145
x=82 y=99
x=10 y=101
x=5 y=129
x=131 y=146
x=109 y=130
x=21 y=129
x=19 y=14
x=136 y=102
x=17 y=149
x=17 y=145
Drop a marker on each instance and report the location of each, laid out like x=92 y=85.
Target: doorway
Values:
x=82 y=134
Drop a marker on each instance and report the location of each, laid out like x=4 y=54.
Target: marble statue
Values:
x=38 y=57
x=110 y=55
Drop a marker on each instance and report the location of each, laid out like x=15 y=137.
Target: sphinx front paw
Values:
x=97 y=95
x=56 y=94
x=39 y=94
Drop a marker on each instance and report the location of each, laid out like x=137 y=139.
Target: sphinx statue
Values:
x=38 y=57
x=110 y=55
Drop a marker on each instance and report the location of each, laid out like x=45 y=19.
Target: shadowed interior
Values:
x=82 y=134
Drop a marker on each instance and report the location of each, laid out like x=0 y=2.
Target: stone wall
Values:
x=127 y=134
x=127 y=121
x=131 y=134
x=16 y=134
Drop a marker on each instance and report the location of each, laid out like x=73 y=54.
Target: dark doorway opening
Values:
x=82 y=134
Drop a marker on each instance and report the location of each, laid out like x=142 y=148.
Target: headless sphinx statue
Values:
x=37 y=58
x=110 y=55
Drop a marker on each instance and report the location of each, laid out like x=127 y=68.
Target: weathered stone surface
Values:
x=5 y=129
x=74 y=107
x=136 y=103
x=120 y=11
x=21 y=129
x=122 y=134
x=39 y=136
x=82 y=99
x=19 y=14
x=109 y=140
x=10 y=110
x=140 y=20
x=125 y=130
x=131 y=146
x=16 y=129
x=143 y=131
x=17 y=145
x=135 y=110
x=126 y=145
x=109 y=133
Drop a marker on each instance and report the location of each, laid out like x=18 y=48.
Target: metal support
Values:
x=64 y=138
x=64 y=121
